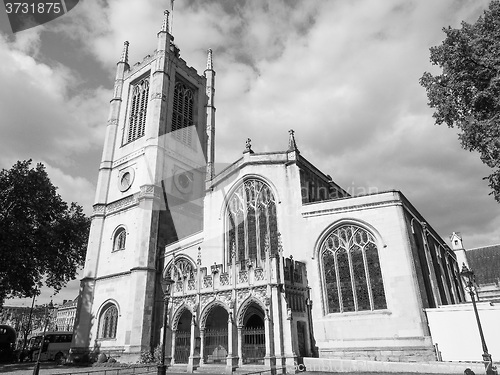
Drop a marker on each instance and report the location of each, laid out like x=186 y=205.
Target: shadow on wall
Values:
x=81 y=351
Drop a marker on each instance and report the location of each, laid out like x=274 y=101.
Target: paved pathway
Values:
x=51 y=368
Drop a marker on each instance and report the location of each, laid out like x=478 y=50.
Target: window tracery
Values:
x=251 y=221
x=351 y=270
x=137 y=118
x=119 y=240
x=182 y=269
x=108 y=322
x=182 y=116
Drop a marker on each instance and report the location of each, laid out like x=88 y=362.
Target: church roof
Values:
x=485 y=262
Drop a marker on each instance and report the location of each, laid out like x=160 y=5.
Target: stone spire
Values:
x=292 y=146
x=124 y=58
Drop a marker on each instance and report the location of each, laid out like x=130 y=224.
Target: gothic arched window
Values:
x=182 y=116
x=137 y=118
x=351 y=270
x=119 y=240
x=183 y=269
x=251 y=221
x=108 y=322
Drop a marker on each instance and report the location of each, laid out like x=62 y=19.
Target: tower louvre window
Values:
x=351 y=271
x=138 y=108
x=182 y=117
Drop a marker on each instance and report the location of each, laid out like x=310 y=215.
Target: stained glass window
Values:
x=352 y=274
x=139 y=106
x=108 y=322
x=251 y=221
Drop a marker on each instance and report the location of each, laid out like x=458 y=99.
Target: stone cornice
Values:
x=355 y=207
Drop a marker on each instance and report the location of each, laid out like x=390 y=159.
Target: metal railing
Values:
x=254 y=345
x=271 y=371
x=215 y=350
x=182 y=346
x=135 y=370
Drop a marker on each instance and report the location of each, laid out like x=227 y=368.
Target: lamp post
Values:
x=166 y=286
x=470 y=281
x=50 y=306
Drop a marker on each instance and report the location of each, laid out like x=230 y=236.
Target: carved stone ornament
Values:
x=206 y=299
x=224 y=278
x=191 y=302
x=225 y=297
x=259 y=274
x=99 y=208
x=158 y=95
x=243 y=276
x=242 y=294
x=260 y=293
x=122 y=203
x=207 y=282
x=176 y=302
x=113 y=121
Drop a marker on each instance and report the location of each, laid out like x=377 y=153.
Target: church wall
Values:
x=106 y=291
x=368 y=333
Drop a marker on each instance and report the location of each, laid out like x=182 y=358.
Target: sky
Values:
x=342 y=73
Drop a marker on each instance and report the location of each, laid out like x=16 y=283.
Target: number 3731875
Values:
x=33 y=8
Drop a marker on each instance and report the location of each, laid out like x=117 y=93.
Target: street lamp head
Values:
x=468 y=277
x=166 y=284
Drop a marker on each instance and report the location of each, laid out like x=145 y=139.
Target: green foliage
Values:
x=148 y=356
x=42 y=239
x=466 y=95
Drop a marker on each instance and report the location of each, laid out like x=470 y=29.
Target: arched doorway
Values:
x=183 y=338
x=215 y=346
x=253 y=336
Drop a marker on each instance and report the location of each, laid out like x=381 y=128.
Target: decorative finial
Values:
x=124 y=58
x=164 y=26
x=209 y=59
x=198 y=261
x=248 y=146
x=233 y=250
x=292 y=146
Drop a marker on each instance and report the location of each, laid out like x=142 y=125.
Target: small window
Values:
x=108 y=322
x=119 y=240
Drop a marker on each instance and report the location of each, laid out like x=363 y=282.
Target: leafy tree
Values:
x=42 y=239
x=466 y=95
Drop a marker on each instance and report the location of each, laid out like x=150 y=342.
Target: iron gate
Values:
x=215 y=346
x=182 y=346
x=254 y=345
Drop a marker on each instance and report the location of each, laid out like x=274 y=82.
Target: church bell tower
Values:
x=158 y=153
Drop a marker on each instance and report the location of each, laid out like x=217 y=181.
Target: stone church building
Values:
x=271 y=259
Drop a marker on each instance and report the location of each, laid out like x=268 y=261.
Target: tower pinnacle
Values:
x=292 y=146
x=124 y=58
x=209 y=59
x=164 y=26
